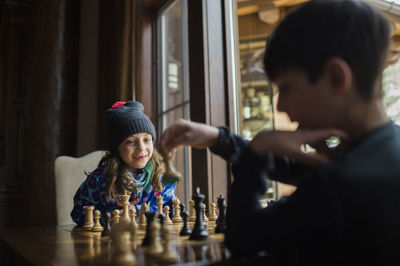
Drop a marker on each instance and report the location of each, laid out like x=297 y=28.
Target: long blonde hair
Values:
x=118 y=173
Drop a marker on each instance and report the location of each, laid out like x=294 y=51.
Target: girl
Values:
x=131 y=164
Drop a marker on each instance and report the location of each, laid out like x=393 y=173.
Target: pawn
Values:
x=213 y=215
x=88 y=218
x=170 y=204
x=203 y=210
x=155 y=247
x=185 y=228
x=142 y=217
x=168 y=255
x=107 y=229
x=97 y=226
x=166 y=212
x=115 y=217
x=132 y=216
x=177 y=218
x=221 y=221
x=192 y=211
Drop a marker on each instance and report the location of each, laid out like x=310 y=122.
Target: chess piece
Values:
x=142 y=217
x=170 y=176
x=177 y=218
x=170 y=204
x=221 y=220
x=149 y=219
x=167 y=219
x=125 y=204
x=192 y=213
x=161 y=219
x=97 y=226
x=181 y=209
x=132 y=216
x=88 y=218
x=155 y=247
x=185 y=228
x=199 y=231
x=120 y=235
x=213 y=216
x=115 y=217
x=168 y=255
x=107 y=228
x=160 y=204
x=203 y=211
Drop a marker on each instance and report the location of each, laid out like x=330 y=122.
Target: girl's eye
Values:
x=148 y=140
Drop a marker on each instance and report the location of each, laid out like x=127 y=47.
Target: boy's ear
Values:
x=340 y=74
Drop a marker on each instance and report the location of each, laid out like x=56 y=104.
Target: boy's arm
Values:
x=228 y=145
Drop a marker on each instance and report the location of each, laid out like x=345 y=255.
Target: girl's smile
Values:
x=136 y=150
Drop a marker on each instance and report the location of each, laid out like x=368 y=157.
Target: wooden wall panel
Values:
x=15 y=59
x=52 y=102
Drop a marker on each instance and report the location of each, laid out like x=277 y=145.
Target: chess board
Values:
x=99 y=249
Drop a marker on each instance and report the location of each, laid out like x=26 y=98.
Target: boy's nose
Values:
x=280 y=106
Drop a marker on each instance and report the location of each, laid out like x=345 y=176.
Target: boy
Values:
x=326 y=59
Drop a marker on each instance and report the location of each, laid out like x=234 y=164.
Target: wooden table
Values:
x=64 y=245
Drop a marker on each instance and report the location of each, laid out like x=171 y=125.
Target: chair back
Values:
x=69 y=174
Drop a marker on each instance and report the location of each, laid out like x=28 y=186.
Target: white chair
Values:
x=69 y=174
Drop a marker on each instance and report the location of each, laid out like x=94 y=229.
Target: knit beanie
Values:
x=125 y=119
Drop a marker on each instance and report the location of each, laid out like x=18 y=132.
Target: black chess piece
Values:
x=170 y=204
x=181 y=209
x=185 y=228
x=161 y=218
x=199 y=231
x=149 y=219
x=107 y=224
x=221 y=220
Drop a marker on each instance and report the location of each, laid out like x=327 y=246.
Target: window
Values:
x=173 y=94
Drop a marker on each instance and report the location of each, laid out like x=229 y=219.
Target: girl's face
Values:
x=136 y=150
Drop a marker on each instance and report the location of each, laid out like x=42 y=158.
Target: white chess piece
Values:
x=192 y=214
x=142 y=218
x=213 y=215
x=97 y=226
x=88 y=218
x=166 y=212
x=115 y=217
x=177 y=217
x=160 y=204
x=121 y=234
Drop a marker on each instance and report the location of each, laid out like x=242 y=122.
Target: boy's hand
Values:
x=185 y=132
x=289 y=144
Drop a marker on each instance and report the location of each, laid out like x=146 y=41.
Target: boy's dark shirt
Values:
x=343 y=212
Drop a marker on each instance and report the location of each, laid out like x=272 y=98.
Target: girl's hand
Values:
x=289 y=144
x=184 y=132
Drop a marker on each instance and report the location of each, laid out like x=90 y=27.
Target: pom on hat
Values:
x=125 y=119
x=117 y=105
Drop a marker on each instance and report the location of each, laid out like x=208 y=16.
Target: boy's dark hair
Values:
x=321 y=29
